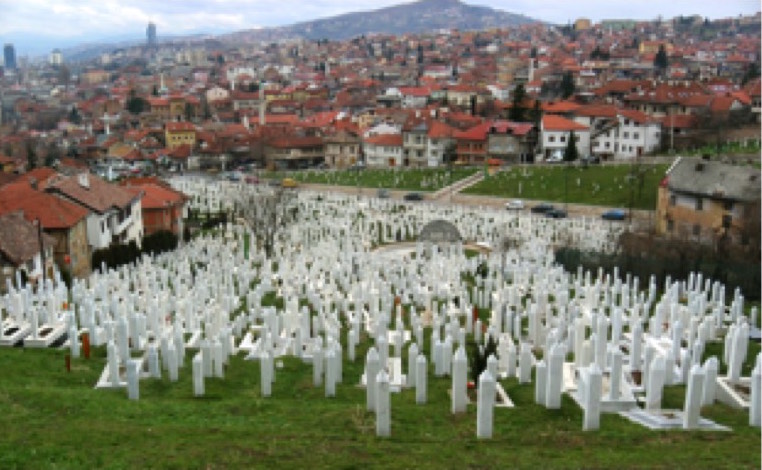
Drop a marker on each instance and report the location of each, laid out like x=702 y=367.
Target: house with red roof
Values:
x=342 y=148
x=294 y=151
x=179 y=133
x=506 y=141
x=64 y=221
x=383 y=150
x=163 y=207
x=555 y=133
x=114 y=214
x=629 y=134
x=7 y=164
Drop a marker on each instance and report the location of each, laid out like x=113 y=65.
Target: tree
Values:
x=135 y=104
x=571 y=154
x=661 y=61
x=267 y=212
x=517 y=106
x=74 y=116
x=536 y=114
x=567 y=85
x=31 y=155
x=53 y=153
x=189 y=112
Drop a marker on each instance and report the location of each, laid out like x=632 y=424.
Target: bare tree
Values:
x=268 y=212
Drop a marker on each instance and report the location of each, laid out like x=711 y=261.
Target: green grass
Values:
x=751 y=146
x=54 y=419
x=600 y=185
x=407 y=179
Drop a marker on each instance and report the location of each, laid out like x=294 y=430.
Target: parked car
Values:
x=252 y=179
x=542 y=208
x=382 y=194
x=591 y=160
x=614 y=214
x=514 y=205
x=556 y=214
x=289 y=183
x=413 y=197
x=556 y=157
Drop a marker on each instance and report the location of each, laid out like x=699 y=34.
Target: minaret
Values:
x=530 y=78
x=262 y=104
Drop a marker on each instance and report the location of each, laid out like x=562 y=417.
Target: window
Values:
x=563 y=138
x=699 y=204
x=727 y=220
x=728 y=205
x=626 y=135
x=635 y=135
x=552 y=138
x=576 y=138
x=670 y=225
x=673 y=200
x=696 y=230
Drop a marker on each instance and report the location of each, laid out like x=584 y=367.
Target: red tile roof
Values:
x=597 y=110
x=552 y=122
x=637 y=116
x=98 y=195
x=387 y=140
x=560 y=107
x=180 y=127
x=158 y=197
x=54 y=212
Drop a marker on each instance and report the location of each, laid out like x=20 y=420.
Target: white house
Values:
x=628 y=134
x=555 y=132
x=115 y=212
x=384 y=150
x=414 y=97
x=217 y=94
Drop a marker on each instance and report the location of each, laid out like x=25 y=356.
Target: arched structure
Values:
x=439 y=231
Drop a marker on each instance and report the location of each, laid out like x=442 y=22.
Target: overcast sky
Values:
x=36 y=26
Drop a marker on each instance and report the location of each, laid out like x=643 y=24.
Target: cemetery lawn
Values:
x=598 y=185
x=54 y=419
x=424 y=179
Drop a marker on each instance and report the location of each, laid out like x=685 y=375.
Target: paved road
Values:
x=641 y=218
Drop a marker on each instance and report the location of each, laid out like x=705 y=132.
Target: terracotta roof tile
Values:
x=98 y=195
x=552 y=122
x=54 y=212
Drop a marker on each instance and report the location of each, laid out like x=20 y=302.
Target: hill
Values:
x=416 y=17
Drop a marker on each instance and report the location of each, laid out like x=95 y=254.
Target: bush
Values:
x=120 y=254
x=159 y=242
x=478 y=357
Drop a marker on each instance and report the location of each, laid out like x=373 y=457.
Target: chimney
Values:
x=84 y=180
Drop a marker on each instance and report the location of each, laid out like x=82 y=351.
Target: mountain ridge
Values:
x=405 y=18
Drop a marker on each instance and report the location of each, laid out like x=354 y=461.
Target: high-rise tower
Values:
x=9 y=55
x=151 y=35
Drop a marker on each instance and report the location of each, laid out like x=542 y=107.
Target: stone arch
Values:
x=440 y=231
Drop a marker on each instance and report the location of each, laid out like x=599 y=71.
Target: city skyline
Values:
x=37 y=26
